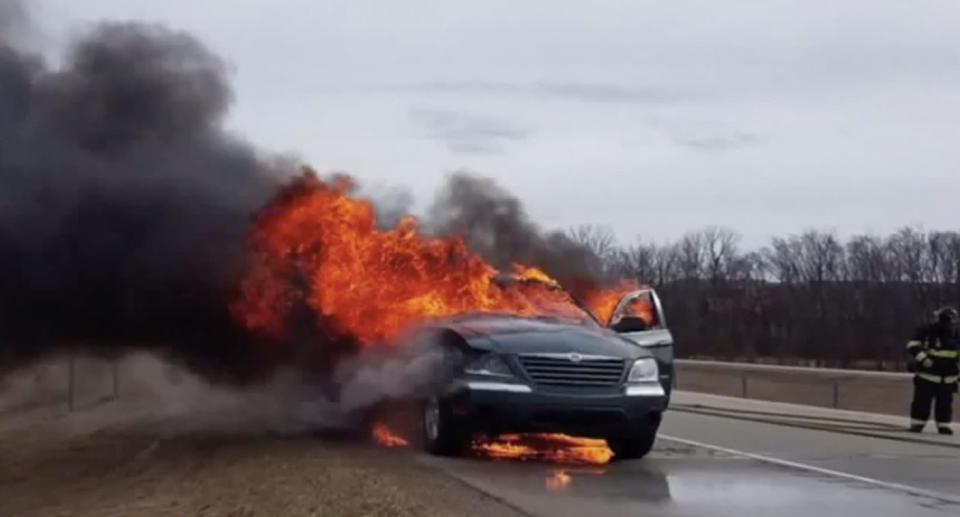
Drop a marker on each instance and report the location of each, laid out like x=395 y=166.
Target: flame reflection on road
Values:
x=552 y=447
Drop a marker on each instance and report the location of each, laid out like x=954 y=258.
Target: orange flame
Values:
x=387 y=438
x=558 y=480
x=555 y=447
x=316 y=247
x=603 y=302
x=641 y=307
x=535 y=274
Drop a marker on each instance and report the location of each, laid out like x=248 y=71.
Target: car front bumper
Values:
x=498 y=407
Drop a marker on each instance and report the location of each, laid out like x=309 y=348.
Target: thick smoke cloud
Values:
x=13 y=18
x=495 y=224
x=124 y=207
x=123 y=201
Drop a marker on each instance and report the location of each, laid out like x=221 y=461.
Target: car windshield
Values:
x=548 y=300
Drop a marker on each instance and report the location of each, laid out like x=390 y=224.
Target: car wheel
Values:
x=634 y=447
x=441 y=435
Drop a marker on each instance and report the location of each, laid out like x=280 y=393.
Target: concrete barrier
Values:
x=856 y=390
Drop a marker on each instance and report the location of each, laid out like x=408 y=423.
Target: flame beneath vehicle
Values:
x=549 y=447
x=558 y=480
x=315 y=247
x=387 y=438
x=553 y=447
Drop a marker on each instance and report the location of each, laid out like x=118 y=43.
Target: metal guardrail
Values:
x=845 y=373
x=835 y=376
x=860 y=390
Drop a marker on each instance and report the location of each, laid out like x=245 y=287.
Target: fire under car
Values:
x=520 y=374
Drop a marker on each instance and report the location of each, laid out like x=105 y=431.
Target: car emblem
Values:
x=575 y=357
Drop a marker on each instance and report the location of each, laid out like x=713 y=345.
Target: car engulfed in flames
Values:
x=530 y=357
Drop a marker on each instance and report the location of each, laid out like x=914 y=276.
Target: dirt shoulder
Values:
x=147 y=470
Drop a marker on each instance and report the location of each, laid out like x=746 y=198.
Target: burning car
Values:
x=525 y=354
x=555 y=374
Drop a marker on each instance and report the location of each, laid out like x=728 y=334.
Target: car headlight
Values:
x=488 y=364
x=644 y=370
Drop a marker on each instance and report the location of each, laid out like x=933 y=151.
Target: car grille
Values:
x=560 y=370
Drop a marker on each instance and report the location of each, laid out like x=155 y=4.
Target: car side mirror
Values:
x=629 y=324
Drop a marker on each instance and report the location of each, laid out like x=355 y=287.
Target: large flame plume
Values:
x=316 y=246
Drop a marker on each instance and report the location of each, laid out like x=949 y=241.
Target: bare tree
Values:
x=666 y=264
x=911 y=262
x=598 y=239
x=638 y=262
x=690 y=256
x=720 y=250
x=907 y=248
x=749 y=267
x=867 y=260
x=600 y=242
x=804 y=297
x=821 y=257
x=782 y=258
x=943 y=258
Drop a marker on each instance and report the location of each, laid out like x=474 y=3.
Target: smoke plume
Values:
x=125 y=207
x=495 y=224
x=124 y=202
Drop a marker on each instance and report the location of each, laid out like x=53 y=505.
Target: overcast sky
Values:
x=650 y=117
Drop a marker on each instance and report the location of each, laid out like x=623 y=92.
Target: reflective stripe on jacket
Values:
x=937 y=379
x=938 y=346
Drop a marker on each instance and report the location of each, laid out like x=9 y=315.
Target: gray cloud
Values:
x=466 y=133
x=576 y=91
x=705 y=135
x=852 y=93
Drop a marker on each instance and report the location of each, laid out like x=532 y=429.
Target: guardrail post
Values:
x=836 y=394
x=70 y=375
x=116 y=379
x=743 y=383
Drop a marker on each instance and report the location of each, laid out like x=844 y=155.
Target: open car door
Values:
x=639 y=317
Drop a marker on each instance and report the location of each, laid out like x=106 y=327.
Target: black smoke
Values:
x=123 y=200
x=495 y=224
x=124 y=204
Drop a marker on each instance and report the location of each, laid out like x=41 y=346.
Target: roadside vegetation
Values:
x=807 y=299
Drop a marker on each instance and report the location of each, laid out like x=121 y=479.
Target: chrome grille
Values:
x=561 y=370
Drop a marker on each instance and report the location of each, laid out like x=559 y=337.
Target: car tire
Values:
x=441 y=434
x=634 y=447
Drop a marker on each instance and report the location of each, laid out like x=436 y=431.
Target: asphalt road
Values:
x=722 y=464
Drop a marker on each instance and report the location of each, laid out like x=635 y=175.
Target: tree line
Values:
x=810 y=298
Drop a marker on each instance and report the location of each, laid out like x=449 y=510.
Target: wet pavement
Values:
x=821 y=473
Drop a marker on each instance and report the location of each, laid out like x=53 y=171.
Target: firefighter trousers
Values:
x=926 y=393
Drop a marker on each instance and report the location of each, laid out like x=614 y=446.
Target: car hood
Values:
x=516 y=335
x=654 y=337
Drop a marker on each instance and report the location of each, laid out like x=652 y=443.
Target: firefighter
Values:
x=935 y=350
